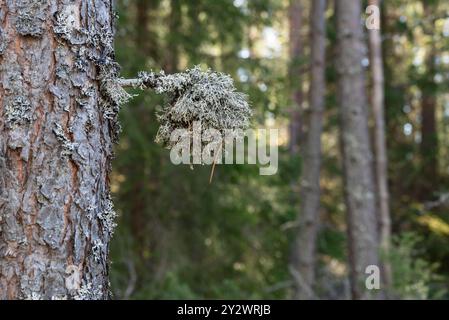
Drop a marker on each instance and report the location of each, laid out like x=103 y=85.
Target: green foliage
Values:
x=413 y=277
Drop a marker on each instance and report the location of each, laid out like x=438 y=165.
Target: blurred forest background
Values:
x=180 y=237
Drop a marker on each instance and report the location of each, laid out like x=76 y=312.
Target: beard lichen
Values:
x=207 y=97
x=115 y=94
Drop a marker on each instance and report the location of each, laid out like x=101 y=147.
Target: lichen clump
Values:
x=68 y=147
x=31 y=16
x=18 y=111
x=108 y=215
x=194 y=95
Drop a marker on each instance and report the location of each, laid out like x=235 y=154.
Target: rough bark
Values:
x=296 y=53
x=380 y=146
x=357 y=154
x=310 y=181
x=57 y=128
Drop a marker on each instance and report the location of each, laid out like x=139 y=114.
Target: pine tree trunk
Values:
x=380 y=146
x=57 y=128
x=357 y=154
x=310 y=181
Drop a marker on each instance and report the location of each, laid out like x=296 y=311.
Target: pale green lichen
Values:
x=68 y=147
x=194 y=95
x=28 y=25
x=103 y=40
x=3 y=42
x=65 y=23
x=114 y=92
x=113 y=95
x=108 y=215
x=30 y=17
x=87 y=292
x=18 y=111
x=97 y=249
x=33 y=296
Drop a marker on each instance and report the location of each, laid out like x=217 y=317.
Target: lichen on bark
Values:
x=30 y=17
x=56 y=146
x=17 y=111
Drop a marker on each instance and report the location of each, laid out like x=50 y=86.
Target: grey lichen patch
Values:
x=97 y=250
x=3 y=42
x=81 y=60
x=114 y=92
x=81 y=64
x=91 y=210
x=28 y=25
x=108 y=215
x=195 y=95
x=31 y=17
x=18 y=111
x=88 y=292
x=67 y=22
x=102 y=40
x=33 y=296
x=113 y=96
x=67 y=146
x=86 y=93
x=88 y=126
x=92 y=47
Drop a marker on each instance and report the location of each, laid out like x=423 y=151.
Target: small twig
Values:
x=130 y=83
x=300 y=282
x=442 y=200
x=290 y=225
x=212 y=173
x=279 y=286
x=215 y=161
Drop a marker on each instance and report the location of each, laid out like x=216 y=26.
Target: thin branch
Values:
x=215 y=161
x=279 y=286
x=130 y=83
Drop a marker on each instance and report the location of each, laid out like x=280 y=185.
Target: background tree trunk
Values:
x=380 y=146
x=57 y=128
x=296 y=54
x=357 y=154
x=310 y=181
x=144 y=30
